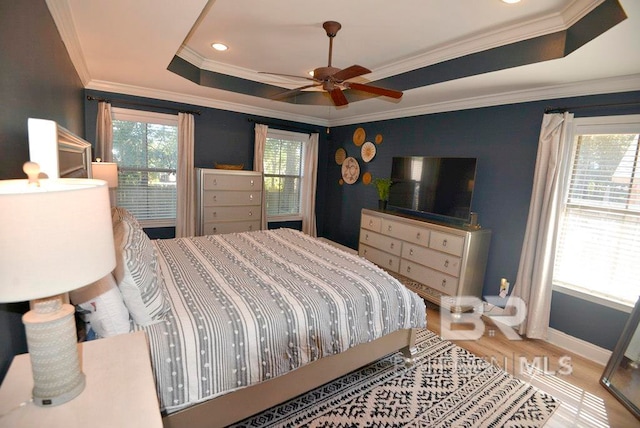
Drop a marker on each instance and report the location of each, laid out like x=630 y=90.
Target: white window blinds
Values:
x=598 y=247
x=283 y=168
x=145 y=146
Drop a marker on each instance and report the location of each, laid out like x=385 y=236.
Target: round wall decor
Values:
x=341 y=154
x=368 y=151
x=358 y=137
x=350 y=170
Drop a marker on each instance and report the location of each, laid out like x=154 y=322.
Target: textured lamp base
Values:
x=53 y=349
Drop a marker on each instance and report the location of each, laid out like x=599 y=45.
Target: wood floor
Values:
x=585 y=403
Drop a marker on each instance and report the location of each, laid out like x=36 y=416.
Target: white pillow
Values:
x=101 y=307
x=138 y=274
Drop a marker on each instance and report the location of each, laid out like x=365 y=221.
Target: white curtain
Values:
x=535 y=271
x=309 y=180
x=185 y=186
x=104 y=132
x=258 y=164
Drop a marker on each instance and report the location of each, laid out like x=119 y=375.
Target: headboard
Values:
x=60 y=153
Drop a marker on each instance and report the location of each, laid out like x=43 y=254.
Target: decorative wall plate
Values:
x=368 y=151
x=366 y=178
x=358 y=137
x=378 y=139
x=350 y=170
x=341 y=154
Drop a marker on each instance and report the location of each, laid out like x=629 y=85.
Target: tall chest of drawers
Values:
x=433 y=260
x=228 y=201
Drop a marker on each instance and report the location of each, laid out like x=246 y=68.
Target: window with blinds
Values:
x=598 y=245
x=145 y=147
x=283 y=169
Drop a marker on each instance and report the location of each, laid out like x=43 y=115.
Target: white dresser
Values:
x=228 y=201
x=433 y=260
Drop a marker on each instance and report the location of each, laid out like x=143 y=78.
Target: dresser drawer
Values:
x=439 y=281
x=451 y=244
x=406 y=232
x=216 y=228
x=385 y=243
x=382 y=259
x=232 y=213
x=434 y=259
x=221 y=198
x=370 y=222
x=231 y=182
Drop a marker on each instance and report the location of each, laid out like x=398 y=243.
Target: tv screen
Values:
x=441 y=186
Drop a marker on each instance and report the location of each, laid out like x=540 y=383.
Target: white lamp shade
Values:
x=53 y=238
x=107 y=171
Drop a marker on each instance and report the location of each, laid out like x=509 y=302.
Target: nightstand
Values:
x=120 y=390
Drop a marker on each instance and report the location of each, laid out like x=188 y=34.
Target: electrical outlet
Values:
x=504 y=287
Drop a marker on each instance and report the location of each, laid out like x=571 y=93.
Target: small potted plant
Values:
x=382 y=186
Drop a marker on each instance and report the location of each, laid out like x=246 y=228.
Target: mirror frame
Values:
x=616 y=358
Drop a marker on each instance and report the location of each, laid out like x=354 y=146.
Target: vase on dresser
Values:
x=382 y=205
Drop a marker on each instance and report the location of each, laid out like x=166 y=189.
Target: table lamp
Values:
x=55 y=236
x=107 y=171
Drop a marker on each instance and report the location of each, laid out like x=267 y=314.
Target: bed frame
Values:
x=235 y=406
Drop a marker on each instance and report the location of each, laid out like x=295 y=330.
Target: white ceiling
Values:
x=125 y=46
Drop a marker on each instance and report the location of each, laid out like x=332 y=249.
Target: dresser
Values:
x=228 y=201
x=432 y=259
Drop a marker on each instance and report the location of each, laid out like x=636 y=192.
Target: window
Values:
x=145 y=146
x=598 y=244
x=283 y=170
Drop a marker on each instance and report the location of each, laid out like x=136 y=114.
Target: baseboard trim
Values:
x=579 y=346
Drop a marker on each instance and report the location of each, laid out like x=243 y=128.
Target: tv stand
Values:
x=432 y=259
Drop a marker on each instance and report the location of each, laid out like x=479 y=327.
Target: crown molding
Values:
x=140 y=91
x=63 y=19
x=591 y=87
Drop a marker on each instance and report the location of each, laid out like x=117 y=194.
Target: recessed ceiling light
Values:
x=219 y=47
x=511 y=1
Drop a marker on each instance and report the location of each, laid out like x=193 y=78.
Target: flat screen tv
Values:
x=437 y=187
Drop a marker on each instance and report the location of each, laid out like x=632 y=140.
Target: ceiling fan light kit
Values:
x=334 y=80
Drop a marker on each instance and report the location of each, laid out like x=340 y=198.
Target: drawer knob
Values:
x=444 y=242
x=252 y=182
x=215 y=182
x=215 y=214
x=215 y=230
x=364 y=252
x=392 y=245
x=251 y=197
x=250 y=213
x=370 y=222
x=418 y=235
x=408 y=269
x=215 y=197
x=390 y=262
x=411 y=252
x=250 y=227
x=389 y=228
x=446 y=263
x=366 y=237
x=444 y=283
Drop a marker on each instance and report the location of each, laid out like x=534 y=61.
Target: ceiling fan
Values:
x=334 y=80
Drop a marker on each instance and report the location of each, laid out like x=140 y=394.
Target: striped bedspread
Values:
x=246 y=307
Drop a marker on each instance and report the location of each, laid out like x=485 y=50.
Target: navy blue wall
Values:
x=504 y=139
x=37 y=79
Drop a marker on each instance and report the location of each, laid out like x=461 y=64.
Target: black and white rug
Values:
x=446 y=387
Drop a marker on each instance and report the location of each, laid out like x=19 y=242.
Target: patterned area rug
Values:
x=447 y=386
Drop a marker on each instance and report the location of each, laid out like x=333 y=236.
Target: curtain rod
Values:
x=134 y=103
x=284 y=127
x=565 y=109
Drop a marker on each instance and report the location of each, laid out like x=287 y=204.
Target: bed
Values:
x=237 y=323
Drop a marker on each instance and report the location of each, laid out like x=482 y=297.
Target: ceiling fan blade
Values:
x=338 y=97
x=350 y=73
x=288 y=75
x=292 y=92
x=374 y=90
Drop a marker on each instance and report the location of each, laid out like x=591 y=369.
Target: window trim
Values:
x=133 y=115
x=623 y=124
